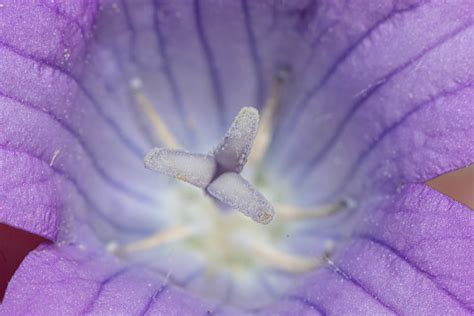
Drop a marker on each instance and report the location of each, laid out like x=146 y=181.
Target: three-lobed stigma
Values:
x=231 y=250
x=219 y=173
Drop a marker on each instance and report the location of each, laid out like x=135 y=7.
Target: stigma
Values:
x=240 y=230
x=218 y=173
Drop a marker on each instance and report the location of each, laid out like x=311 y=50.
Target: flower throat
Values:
x=234 y=226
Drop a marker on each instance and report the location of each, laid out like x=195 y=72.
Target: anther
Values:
x=162 y=131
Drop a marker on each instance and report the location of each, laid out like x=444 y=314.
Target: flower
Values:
x=373 y=100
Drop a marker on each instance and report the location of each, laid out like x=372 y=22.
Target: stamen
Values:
x=197 y=169
x=161 y=238
x=282 y=260
x=292 y=212
x=234 y=191
x=265 y=131
x=232 y=153
x=161 y=129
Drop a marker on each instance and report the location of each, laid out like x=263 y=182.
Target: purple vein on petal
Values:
x=308 y=303
x=355 y=167
x=214 y=77
x=346 y=276
x=128 y=143
x=418 y=269
x=94 y=161
x=133 y=32
x=81 y=192
x=152 y=299
x=102 y=284
x=381 y=82
x=65 y=16
x=167 y=68
x=304 y=102
x=255 y=56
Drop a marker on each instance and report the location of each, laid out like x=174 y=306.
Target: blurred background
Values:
x=458 y=184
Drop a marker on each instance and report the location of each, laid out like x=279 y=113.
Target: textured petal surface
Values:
x=390 y=101
x=378 y=95
x=37 y=69
x=411 y=255
x=50 y=144
x=68 y=280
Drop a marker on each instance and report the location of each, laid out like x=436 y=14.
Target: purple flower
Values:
x=371 y=99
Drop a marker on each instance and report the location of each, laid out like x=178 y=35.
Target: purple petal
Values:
x=390 y=96
x=411 y=255
x=70 y=281
x=377 y=96
x=39 y=60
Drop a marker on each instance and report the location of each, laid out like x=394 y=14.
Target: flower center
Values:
x=231 y=236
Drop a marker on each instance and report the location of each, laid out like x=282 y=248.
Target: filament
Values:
x=161 y=130
x=292 y=212
x=265 y=131
x=167 y=236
